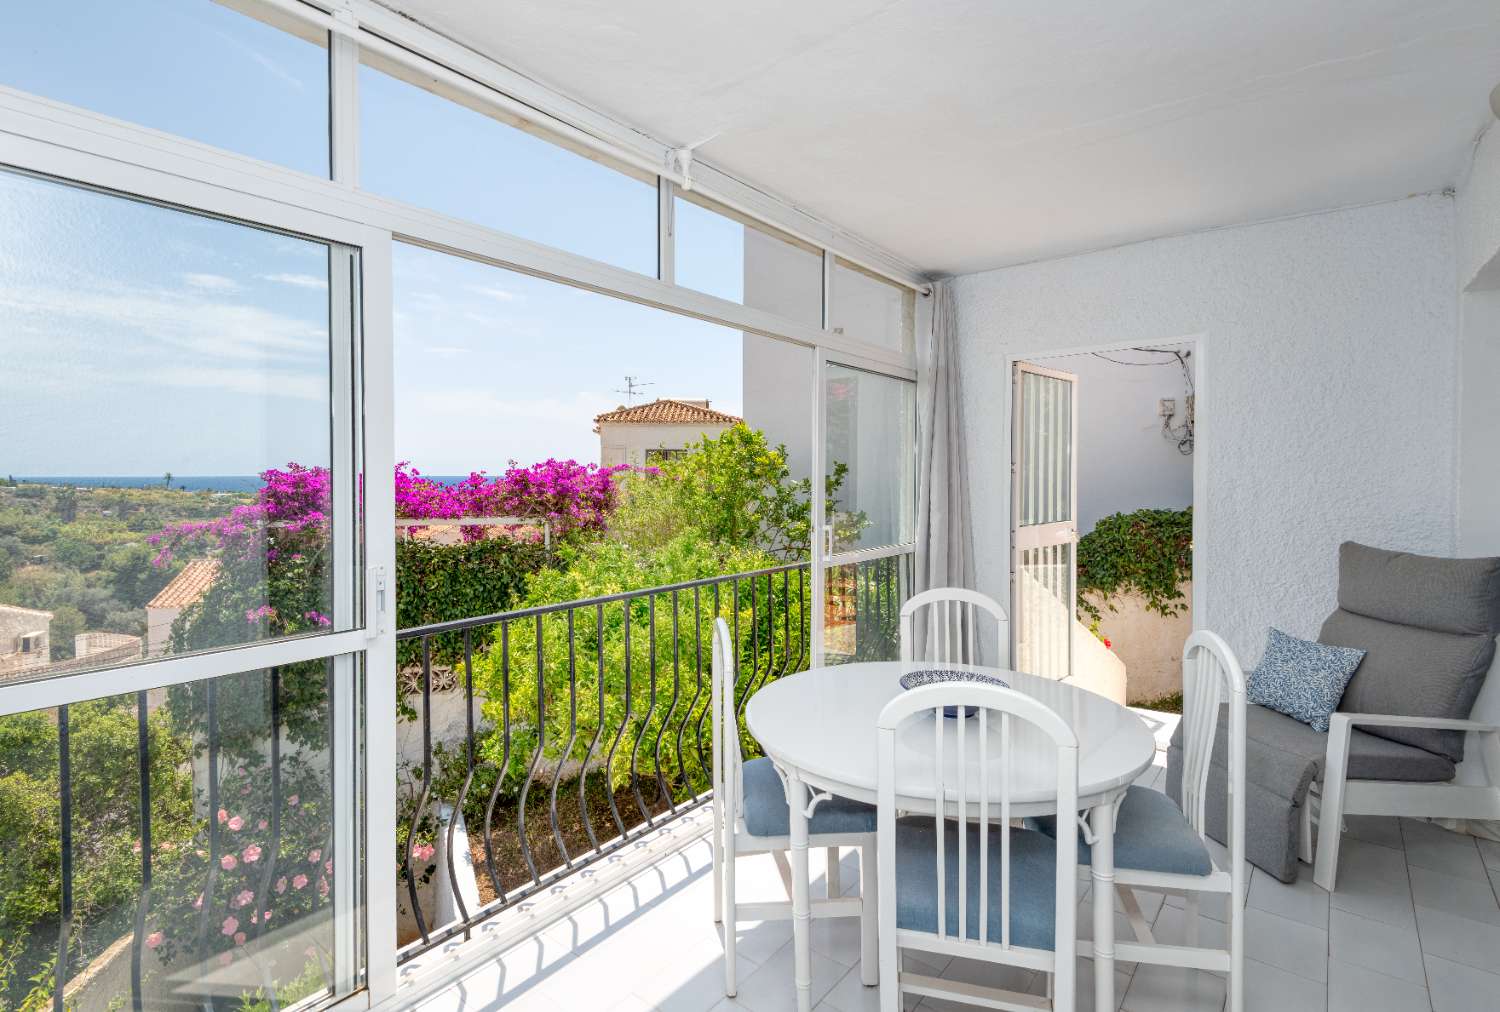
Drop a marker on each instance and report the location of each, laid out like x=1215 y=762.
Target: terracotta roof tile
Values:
x=667 y=411
x=188 y=585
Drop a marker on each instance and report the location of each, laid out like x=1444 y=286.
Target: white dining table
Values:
x=818 y=727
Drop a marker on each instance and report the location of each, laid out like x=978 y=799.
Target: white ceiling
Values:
x=969 y=134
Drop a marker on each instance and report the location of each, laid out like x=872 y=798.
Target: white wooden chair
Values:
x=951 y=627
x=751 y=817
x=1027 y=916
x=1161 y=848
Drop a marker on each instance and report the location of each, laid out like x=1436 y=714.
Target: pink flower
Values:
x=251 y=853
x=328 y=866
x=155 y=939
x=313 y=856
x=227 y=862
x=299 y=881
x=236 y=824
x=261 y=824
x=322 y=886
x=239 y=938
x=281 y=884
x=268 y=915
x=241 y=899
x=223 y=815
x=293 y=800
x=423 y=851
x=230 y=925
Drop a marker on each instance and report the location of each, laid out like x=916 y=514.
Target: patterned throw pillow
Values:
x=1302 y=679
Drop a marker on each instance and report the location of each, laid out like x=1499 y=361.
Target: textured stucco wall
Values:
x=1329 y=347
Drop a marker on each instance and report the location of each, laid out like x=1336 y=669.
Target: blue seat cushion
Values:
x=1033 y=882
x=766 y=813
x=1151 y=834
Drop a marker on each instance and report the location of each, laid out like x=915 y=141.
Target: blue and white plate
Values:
x=935 y=676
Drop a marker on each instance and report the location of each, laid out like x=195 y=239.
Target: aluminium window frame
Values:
x=69 y=143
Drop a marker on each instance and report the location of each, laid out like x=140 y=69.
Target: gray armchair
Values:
x=1428 y=626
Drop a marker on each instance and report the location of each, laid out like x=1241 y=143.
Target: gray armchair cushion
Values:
x=1282 y=757
x=1427 y=626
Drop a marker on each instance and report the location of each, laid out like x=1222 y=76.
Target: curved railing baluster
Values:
x=536 y=759
x=588 y=756
x=562 y=759
x=422 y=798
x=463 y=790
x=666 y=718
x=489 y=808
x=640 y=731
x=609 y=760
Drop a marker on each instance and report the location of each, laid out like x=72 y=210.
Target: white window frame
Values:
x=69 y=143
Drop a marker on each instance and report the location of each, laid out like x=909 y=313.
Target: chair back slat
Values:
x=955 y=803
x=728 y=774
x=941 y=626
x=1211 y=677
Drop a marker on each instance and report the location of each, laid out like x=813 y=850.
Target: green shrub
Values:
x=440 y=583
x=1149 y=551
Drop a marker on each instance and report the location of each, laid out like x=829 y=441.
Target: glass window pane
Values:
x=168 y=450
x=869 y=458
x=238 y=839
x=188 y=67
x=728 y=255
x=428 y=150
x=869 y=308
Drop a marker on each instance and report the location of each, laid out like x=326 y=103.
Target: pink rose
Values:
x=243 y=898
x=261 y=824
x=239 y=938
x=281 y=884
x=155 y=939
x=323 y=886
x=230 y=925
x=328 y=866
x=223 y=815
x=299 y=881
x=236 y=824
x=251 y=853
x=313 y=856
x=227 y=862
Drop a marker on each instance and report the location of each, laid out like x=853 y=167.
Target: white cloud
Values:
x=297 y=280
x=211 y=282
x=498 y=294
x=258 y=383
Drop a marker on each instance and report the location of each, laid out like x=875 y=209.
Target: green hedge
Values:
x=1149 y=551
x=440 y=583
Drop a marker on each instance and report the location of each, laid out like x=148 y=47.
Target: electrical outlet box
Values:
x=1166 y=407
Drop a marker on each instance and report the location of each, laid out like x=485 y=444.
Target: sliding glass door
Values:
x=866 y=509
x=183 y=617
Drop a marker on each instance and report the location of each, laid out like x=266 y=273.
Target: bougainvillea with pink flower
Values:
x=568 y=495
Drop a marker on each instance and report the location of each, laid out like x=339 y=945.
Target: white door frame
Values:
x=1198 y=341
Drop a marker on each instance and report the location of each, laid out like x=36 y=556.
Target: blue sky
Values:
x=140 y=340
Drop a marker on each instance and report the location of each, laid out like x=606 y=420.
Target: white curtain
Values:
x=945 y=538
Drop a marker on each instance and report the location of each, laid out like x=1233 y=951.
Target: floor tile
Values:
x=1291 y=945
x=1083 y=983
x=1430 y=846
x=1459 y=939
x=851 y=995
x=1301 y=901
x=838 y=938
x=1459 y=988
x=633 y=1003
x=1272 y=989
x=1162 y=988
x=1455 y=895
x=772 y=988
x=1489 y=852
x=1376 y=946
x=973 y=971
x=1355 y=989
x=1372 y=882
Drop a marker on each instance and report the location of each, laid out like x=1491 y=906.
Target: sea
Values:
x=187 y=482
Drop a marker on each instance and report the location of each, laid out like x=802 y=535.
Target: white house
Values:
x=162 y=610
x=24 y=638
x=651 y=433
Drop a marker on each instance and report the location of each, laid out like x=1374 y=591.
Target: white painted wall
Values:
x=1478 y=210
x=628 y=442
x=1124 y=461
x=1329 y=347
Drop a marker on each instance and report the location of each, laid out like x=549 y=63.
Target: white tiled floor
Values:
x=1415 y=924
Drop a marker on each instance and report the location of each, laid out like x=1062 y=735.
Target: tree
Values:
x=166 y=479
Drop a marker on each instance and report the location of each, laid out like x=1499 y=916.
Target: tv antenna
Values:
x=633 y=386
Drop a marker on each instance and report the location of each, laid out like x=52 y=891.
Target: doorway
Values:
x=1103 y=489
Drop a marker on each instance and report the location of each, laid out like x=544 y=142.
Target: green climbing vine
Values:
x=1149 y=551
